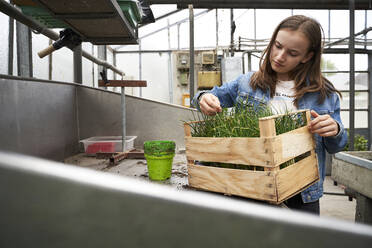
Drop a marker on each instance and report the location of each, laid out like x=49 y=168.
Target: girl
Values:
x=290 y=78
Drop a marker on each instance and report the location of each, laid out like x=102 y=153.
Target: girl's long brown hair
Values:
x=265 y=78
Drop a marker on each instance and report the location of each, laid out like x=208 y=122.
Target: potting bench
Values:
x=354 y=170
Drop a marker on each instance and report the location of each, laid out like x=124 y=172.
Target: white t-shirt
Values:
x=283 y=98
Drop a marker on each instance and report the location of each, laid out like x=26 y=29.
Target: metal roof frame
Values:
x=268 y=4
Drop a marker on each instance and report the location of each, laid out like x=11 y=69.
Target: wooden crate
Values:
x=273 y=184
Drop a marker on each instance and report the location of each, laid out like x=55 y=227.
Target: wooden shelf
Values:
x=97 y=21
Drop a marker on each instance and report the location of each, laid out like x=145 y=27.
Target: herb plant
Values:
x=243 y=122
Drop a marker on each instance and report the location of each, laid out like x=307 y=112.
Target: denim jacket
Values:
x=240 y=90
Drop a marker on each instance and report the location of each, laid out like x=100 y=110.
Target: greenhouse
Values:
x=186 y=123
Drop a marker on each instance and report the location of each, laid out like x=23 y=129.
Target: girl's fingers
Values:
x=314 y=114
x=324 y=130
x=318 y=119
x=328 y=134
x=320 y=123
x=213 y=102
x=210 y=104
x=206 y=109
x=216 y=104
x=324 y=126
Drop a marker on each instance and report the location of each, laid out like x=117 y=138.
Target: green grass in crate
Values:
x=243 y=122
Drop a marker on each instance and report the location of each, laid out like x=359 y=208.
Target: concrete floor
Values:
x=336 y=206
x=331 y=206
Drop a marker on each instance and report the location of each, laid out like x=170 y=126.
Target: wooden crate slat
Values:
x=296 y=177
x=253 y=184
x=267 y=129
x=187 y=129
x=292 y=144
x=280 y=115
x=249 y=151
x=266 y=152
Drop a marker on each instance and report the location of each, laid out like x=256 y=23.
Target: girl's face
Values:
x=290 y=48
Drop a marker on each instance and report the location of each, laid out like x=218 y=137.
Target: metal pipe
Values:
x=254 y=28
x=249 y=61
x=163 y=16
x=156 y=19
x=114 y=60
x=102 y=63
x=163 y=28
x=140 y=64
x=364 y=31
x=165 y=50
x=13 y=12
x=330 y=71
x=24 y=66
x=346 y=50
x=10 y=45
x=191 y=18
x=265 y=4
x=329 y=25
x=93 y=68
x=178 y=36
x=352 y=75
x=249 y=57
x=370 y=101
x=232 y=24
x=50 y=63
x=243 y=63
x=124 y=125
x=325 y=51
x=216 y=27
x=355 y=110
x=170 y=78
x=102 y=54
x=365 y=27
x=30 y=64
x=176 y=23
x=78 y=69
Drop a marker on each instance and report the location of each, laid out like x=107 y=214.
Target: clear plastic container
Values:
x=107 y=144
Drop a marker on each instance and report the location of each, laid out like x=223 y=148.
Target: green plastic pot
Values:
x=159 y=155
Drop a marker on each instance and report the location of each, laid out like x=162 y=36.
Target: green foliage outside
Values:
x=327 y=65
x=360 y=143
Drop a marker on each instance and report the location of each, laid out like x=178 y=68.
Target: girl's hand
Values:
x=209 y=104
x=324 y=125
